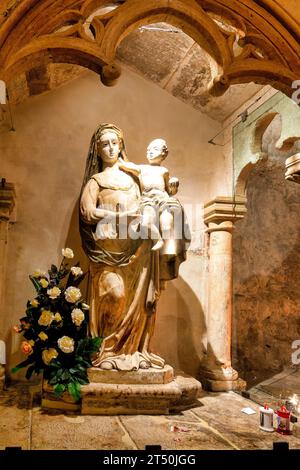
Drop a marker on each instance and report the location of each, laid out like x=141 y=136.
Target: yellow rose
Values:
x=46 y=318
x=66 y=344
x=67 y=253
x=72 y=294
x=44 y=283
x=54 y=292
x=34 y=303
x=43 y=336
x=57 y=317
x=77 y=316
x=39 y=273
x=48 y=355
x=85 y=306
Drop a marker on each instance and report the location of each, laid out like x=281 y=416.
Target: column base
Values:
x=223 y=379
x=224 y=385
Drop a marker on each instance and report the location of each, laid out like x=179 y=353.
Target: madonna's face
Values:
x=109 y=147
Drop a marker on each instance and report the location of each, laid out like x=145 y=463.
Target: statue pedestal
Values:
x=149 y=391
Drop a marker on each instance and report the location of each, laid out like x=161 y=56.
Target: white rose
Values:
x=77 y=316
x=67 y=253
x=76 y=270
x=72 y=294
x=66 y=344
x=54 y=292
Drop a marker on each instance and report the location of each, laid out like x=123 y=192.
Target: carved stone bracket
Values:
x=292 y=165
x=7 y=201
x=220 y=214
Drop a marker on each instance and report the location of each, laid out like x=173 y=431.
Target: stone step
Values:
x=115 y=399
x=141 y=376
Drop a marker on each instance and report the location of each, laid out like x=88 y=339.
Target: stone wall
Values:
x=45 y=158
x=266 y=267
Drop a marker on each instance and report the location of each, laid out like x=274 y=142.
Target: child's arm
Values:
x=171 y=184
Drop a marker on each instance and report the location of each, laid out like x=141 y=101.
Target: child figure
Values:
x=157 y=191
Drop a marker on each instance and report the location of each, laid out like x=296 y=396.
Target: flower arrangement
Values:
x=55 y=329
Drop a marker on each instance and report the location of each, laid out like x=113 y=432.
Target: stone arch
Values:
x=261 y=126
x=193 y=21
x=269 y=53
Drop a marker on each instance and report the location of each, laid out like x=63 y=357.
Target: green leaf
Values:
x=53 y=380
x=85 y=363
x=59 y=373
x=59 y=389
x=74 y=390
x=82 y=381
x=65 y=375
x=29 y=372
x=25 y=363
x=36 y=284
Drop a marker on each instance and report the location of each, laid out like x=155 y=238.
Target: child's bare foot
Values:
x=158 y=245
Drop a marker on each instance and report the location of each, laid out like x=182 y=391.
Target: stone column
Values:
x=220 y=215
x=7 y=216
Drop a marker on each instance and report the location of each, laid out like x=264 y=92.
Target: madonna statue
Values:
x=125 y=272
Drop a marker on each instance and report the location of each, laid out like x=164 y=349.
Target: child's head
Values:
x=157 y=151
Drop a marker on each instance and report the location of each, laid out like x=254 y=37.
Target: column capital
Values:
x=224 y=209
x=7 y=200
x=292 y=166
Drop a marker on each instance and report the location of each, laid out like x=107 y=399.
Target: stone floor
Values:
x=277 y=389
x=216 y=423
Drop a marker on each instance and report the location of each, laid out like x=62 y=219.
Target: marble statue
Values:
x=126 y=274
x=157 y=189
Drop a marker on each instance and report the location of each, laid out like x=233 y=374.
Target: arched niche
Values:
x=266 y=255
x=247 y=136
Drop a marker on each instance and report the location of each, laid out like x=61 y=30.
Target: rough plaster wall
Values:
x=45 y=158
x=266 y=266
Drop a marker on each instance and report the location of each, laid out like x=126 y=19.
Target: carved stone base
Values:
x=163 y=398
x=223 y=379
x=50 y=401
x=224 y=385
x=141 y=376
x=150 y=391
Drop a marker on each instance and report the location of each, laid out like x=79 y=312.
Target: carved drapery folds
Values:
x=250 y=41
